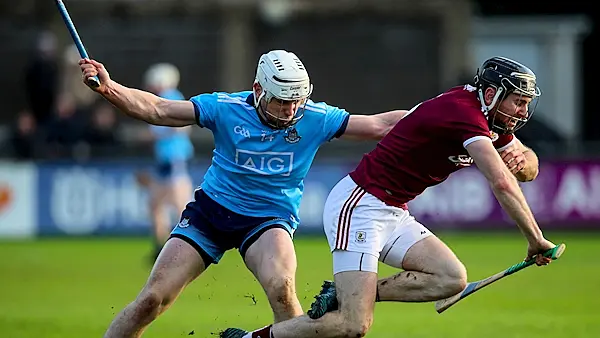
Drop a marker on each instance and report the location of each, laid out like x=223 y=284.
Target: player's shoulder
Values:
x=459 y=103
x=321 y=109
x=312 y=107
x=236 y=100
x=243 y=95
x=463 y=98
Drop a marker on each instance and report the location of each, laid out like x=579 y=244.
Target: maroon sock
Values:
x=265 y=332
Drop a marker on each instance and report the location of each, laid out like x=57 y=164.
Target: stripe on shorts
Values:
x=343 y=230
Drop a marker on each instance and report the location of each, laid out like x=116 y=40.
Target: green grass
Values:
x=73 y=288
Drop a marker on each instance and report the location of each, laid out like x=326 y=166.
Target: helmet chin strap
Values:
x=257 y=98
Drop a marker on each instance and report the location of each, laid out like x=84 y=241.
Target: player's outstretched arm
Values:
x=372 y=127
x=521 y=161
x=509 y=194
x=139 y=104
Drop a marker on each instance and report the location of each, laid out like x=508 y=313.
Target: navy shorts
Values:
x=168 y=170
x=213 y=229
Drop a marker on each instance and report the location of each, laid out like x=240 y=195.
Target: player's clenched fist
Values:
x=91 y=68
x=514 y=158
x=535 y=250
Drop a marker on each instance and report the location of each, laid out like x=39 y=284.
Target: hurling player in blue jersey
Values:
x=265 y=143
x=172 y=185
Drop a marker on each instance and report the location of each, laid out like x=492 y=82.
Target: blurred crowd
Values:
x=62 y=118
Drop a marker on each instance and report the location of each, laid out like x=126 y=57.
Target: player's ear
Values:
x=257 y=88
x=488 y=95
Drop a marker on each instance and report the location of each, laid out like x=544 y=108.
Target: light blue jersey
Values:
x=171 y=145
x=257 y=171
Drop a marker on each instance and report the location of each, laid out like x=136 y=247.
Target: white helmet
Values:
x=282 y=75
x=163 y=76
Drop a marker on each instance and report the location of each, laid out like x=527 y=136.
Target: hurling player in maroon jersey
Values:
x=366 y=219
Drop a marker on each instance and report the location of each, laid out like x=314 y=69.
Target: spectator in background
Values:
x=65 y=129
x=41 y=79
x=172 y=186
x=25 y=138
x=101 y=131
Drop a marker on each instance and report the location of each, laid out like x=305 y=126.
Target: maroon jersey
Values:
x=425 y=147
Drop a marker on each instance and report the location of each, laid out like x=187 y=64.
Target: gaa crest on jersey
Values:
x=184 y=223
x=291 y=135
x=494 y=136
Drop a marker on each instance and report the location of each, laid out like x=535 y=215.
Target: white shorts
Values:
x=362 y=229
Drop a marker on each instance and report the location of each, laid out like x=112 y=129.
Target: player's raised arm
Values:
x=509 y=194
x=372 y=127
x=139 y=104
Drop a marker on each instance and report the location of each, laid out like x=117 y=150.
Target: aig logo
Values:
x=241 y=131
x=266 y=163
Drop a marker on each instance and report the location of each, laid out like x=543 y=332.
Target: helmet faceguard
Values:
x=506 y=77
x=283 y=78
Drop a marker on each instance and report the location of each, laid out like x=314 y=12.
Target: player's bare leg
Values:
x=177 y=265
x=432 y=272
x=272 y=260
x=356 y=295
x=159 y=214
x=181 y=191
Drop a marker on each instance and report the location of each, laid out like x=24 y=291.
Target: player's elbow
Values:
x=148 y=112
x=522 y=177
x=533 y=175
x=159 y=114
x=380 y=130
x=502 y=183
x=527 y=175
x=385 y=130
x=531 y=169
x=158 y=117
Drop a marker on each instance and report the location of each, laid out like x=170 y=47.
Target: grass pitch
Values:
x=67 y=288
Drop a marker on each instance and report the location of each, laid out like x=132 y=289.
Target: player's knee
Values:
x=281 y=289
x=149 y=304
x=356 y=327
x=281 y=292
x=354 y=323
x=454 y=279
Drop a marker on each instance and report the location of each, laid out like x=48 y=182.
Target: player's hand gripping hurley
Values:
x=93 y=82
x=442 y=305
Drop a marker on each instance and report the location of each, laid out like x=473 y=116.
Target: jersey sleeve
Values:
x=205 y=108
x=504 y=141
x=335 y=122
